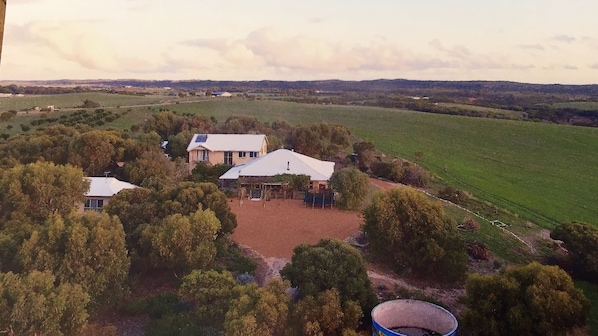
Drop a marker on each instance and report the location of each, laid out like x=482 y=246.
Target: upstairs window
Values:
x=228 y=158
x=242 y=154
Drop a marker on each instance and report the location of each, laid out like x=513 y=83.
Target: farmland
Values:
x=544 y=173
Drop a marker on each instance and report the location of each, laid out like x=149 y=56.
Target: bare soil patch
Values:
x=274 y=228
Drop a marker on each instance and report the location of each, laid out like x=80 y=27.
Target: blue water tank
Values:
x=412 y=318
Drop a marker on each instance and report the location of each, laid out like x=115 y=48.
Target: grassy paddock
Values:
x=544 y=173
x=72 y=100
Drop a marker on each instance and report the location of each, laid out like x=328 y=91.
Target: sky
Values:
x=532 y=41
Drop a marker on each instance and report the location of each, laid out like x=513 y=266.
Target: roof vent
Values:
x=288 y=165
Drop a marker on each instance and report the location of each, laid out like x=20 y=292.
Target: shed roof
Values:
x=227 y=142
x=283 y=161
x=106 y=186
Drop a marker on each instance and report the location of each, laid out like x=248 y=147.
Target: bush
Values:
x=581 y=242
x=453 y=195
x=469 y=224
x=478 y=250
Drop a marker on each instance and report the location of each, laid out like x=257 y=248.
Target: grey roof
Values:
x=283 y=161
x=227 y=142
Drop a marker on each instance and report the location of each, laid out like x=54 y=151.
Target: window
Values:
x=228 y=158
x=253 y=154
x=204 y=155
x=93 y=205
x=242 y=154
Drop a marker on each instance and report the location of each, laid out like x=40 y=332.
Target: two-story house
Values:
x=230 y=149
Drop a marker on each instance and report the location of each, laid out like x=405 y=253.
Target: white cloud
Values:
x=563 y=38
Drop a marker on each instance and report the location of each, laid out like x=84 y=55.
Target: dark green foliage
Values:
x=208 y=173
x=412 y=234
x=392 y=171
x=296 y=182
x=90 y=104
x=527 y=300
x=366 y=152
x=328 y=265
x=581 y=242
x=352 y=185
x=454 y=195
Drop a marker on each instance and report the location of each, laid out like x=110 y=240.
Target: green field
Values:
x=509 y=114
x=581 y=105
x=74 y=100
x=544 y=173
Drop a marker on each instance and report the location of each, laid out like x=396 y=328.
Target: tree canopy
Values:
x=331 y=264
x=352 y=185
x=526 y=300
x=581 y=242
x=412 y=234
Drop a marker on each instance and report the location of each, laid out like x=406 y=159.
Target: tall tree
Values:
x=352 y=185
x=88 y=250
x=411 y=233
x=258 y=311
x=324 y=315
x=209 y=293
x=33 y=304
x=94 y=150
x=331 y=264
x=526 y=300
x=581 y=242
x=38 y=190
x=183 y=243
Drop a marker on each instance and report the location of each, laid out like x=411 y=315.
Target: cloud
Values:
x=570 y=67
x=594 y=66
x=75 y=41
x=563 y=38
x=538 y=47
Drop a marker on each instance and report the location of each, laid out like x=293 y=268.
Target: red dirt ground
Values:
x=275 y=229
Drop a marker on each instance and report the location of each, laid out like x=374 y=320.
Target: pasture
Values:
x=72 y=100
x=544 y=173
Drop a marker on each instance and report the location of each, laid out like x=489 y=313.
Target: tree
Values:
x=324 y=315
x=330 y=264
x=33 y=305
x=94 y=150
x=366 y=152
x=526 y=300
x=208 y=173
x=38 y=190
x=581 y=242
x=352 y=185
x=209 y=293
x=90 y=104
x=150 y=165
x=87 y=250
x=411 y=233
x=258 y=311
x=184 y=242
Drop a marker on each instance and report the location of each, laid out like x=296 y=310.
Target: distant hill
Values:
x=366 y=86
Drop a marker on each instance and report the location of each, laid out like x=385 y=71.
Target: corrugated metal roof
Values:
x=283 y=161
x=227 y=142
x=106 y=186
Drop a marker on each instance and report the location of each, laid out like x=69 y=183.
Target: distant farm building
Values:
x=221 y=94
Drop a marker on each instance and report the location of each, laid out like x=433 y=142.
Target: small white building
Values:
x=101 y=190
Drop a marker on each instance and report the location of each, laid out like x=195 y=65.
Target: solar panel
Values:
x=201 y=138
